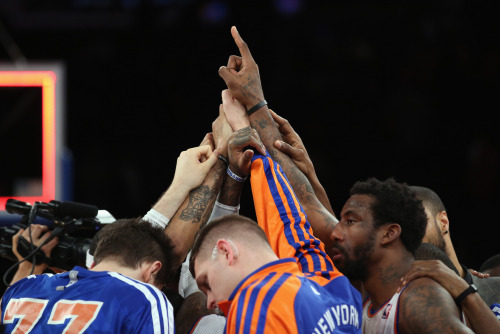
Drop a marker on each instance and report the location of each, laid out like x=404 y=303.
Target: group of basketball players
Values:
x=297 y=269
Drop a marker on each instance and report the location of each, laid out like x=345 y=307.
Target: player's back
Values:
x=84 y=300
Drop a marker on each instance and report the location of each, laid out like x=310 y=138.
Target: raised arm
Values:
x=278 y=211
x=197 y=207
x=293 y=146
x=243 y=81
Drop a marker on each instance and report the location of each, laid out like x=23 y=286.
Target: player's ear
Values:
x=150 y=272
x=390 y=233
x=228 y=249
x=444 y=223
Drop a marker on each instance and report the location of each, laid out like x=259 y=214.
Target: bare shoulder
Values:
x=426 y=307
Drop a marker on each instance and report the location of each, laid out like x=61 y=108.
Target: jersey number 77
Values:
x=28 y=311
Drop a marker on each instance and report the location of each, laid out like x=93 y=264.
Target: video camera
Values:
x=73 y=223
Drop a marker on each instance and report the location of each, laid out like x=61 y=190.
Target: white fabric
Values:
x=212 y=323
x=220 y=210
x=384 y=320
x=187 y=284
x=156 y=218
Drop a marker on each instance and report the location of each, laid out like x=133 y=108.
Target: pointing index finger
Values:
x=242 y=46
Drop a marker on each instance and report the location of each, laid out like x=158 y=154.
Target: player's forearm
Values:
x=479 y=316
x=230 y=193
x=320 y=192
x=195 y=211
x=320 y=218
x=171 y=200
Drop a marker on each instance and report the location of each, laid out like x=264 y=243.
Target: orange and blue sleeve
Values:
x=283 y=219
x=261 y=308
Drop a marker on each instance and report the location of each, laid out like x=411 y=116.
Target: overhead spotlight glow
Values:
x=214 y=12
x=288 y=7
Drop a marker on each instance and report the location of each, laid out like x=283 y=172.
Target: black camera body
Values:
x=74 y=224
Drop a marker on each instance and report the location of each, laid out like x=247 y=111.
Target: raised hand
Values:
x=221 y=132
x=240 y=150
x=193 y=166
x=292 y=145
x=242 y=75
x=235 y=112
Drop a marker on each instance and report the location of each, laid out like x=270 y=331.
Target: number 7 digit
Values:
x=27 y=310
x=82 y=314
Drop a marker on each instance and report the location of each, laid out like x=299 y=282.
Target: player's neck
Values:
x=384 y=278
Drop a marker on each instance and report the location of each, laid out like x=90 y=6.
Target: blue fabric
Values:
x=124 y=305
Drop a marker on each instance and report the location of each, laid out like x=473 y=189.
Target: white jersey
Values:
x=385 y=319
x=381 y=321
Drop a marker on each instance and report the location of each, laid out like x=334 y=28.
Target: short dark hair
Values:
x=430 y=199
x=133 y=241
x=427 y=251
x=394 y=202
x=491 y=263
x=228 y=226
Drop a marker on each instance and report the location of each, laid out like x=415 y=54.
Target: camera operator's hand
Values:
x=38 y=238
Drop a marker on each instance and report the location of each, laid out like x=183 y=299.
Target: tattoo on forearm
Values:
x=327 y=219
x=201 y=199
x=262 y=123
x=198 y=202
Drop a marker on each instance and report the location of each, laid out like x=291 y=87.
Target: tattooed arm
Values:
x=293 y=146
x=194 y=212
x=426 y=307
x=479 y=316
x=243 y=80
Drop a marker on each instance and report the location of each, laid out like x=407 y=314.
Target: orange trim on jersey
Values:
x=369 y=311
x=194 y=325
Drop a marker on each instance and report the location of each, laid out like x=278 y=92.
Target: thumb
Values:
x=226 y=96
x=225 y=74
x=286 y=148
x=211 y=160
x=246 y=161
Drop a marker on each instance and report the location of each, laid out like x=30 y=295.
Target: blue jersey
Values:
x=85 y=301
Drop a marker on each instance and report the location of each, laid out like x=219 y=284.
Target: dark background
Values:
x=405 y=89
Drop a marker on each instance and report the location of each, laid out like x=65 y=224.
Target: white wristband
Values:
x=156 y=218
